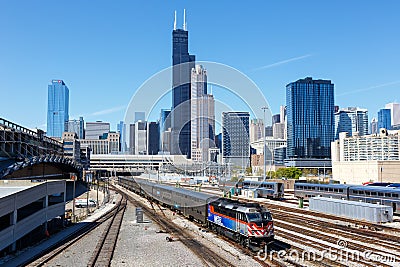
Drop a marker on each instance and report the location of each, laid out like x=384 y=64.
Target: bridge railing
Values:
x=26 y=142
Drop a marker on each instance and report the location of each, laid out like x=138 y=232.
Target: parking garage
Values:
x=29 y=211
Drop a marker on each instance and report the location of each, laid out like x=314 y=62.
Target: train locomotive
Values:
x=249 y=224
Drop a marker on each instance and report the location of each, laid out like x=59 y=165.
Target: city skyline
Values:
x=357 y=54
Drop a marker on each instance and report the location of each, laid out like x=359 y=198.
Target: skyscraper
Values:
x=121 y=129
x=182 y=63
x=384 y=119
x=351 y=120
x=76 y=126
x=132 y=138
x=97 y=130
x=374 y=126
x=202 y=116
x=276 y=118
x=57 y=108
x=153 y=138
x=310 y=119
x=394 y=112
x=140 y=138
x=235 y=138
x=164 y=124
x=140 y=116
x=256 y=130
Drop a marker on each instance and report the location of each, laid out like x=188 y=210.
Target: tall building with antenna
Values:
x=182 y=63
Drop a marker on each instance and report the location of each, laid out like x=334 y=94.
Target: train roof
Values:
x=355 y=187
x=375 y=188
x=260 y=182
x=324 y=185
x=199 y=195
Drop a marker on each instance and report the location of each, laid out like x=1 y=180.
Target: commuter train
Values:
x=389 y=196
x=247 y=223
x=274 y=190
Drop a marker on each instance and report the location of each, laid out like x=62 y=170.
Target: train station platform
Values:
x=27 y=208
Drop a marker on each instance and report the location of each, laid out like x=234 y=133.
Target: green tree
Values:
x=249 y=171
x=280 y=173
x=292 y=173
x=271 y=174
x=306 y=172
x=314 y=171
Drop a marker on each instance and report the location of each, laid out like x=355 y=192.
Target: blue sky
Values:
x=105 y=50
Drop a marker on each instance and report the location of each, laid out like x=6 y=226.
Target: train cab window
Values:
x=387 y=195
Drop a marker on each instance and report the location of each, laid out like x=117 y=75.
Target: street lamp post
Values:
x=264 y=146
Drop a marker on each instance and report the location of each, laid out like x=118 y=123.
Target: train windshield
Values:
x=253 y=217
x=266 y=216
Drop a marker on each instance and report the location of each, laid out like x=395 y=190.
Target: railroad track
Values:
x=289 y=220
x=104 y=251
x=51 y=252
x=383 y=245
x=341 y=230
x=273 y=260
x=368 y=225
x=205 y=254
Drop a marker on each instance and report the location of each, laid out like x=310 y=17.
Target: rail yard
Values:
x=172 y=234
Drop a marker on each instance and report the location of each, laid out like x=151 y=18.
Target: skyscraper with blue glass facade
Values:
x=384 y=119
x=310 y=118
x=182 y=63
x=57 y=108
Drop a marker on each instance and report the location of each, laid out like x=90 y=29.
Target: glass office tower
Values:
x=236 y=138
x=384 y=119
x=310 y=118
x=57 y=108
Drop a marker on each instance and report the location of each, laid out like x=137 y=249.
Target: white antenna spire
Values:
x=184 y=20
x=175 y=21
